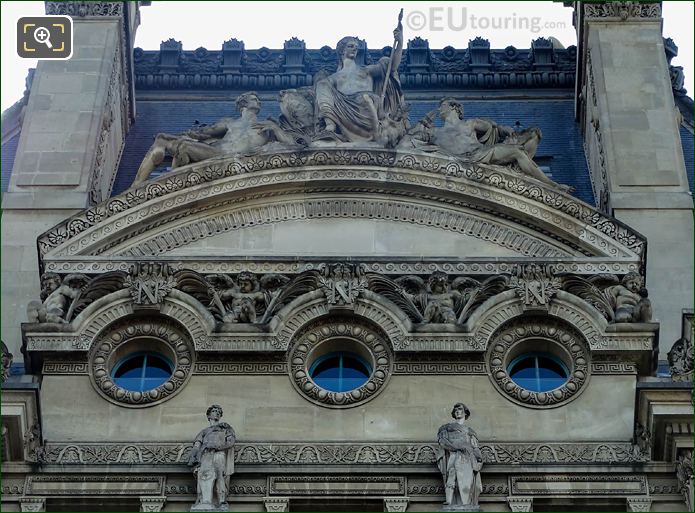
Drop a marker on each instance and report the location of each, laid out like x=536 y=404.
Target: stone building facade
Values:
x=336 y=298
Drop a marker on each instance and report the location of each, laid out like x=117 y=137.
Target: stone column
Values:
x=639 y=503
x=32 y=503
x=631 y=129
x=75 y=122
x=154 y=503
x=520 y=503
x=276 y=504
x=396 y=504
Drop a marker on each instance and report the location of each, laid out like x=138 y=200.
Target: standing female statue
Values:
x=459 y=460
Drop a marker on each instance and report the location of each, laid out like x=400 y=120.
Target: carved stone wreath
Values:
x=142 y=334
x=532 y=331
x=325 y=331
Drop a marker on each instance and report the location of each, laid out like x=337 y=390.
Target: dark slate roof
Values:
x=561 y=148
x=688 y=154
x=9 y=150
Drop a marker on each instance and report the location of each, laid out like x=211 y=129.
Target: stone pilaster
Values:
x=631 y=130
x=75 y=121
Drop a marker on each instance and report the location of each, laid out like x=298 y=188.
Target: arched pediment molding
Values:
x=313 y=305
x=104 y=312
x=444 y=185
x=504 y=307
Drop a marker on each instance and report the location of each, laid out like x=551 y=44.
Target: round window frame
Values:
x=356 y=337
x=560 y=340
x=164 y=337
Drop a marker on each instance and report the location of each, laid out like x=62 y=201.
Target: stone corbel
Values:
x=520 y=503
x=396 y=504
x=32 y=504
x=276 y=504
x=639 y=503
x=152 y=503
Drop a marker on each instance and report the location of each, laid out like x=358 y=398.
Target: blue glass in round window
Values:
x=538 y=372
x=340 y=371
x=142 y=371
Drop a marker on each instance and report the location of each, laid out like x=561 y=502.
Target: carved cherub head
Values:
x=632 y=281
x=49 y=283
x=214 y=413
x=247 y=282
x=460 y=410
x=249 y=101
x=438 y=282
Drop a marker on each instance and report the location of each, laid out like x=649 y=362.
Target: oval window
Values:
x=142 y=371
x=538 y=372
x=340 y=371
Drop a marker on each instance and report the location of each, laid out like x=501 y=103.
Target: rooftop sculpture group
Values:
x=358 y=105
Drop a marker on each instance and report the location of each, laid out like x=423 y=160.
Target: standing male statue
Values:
x=362 y=103
x=212 y=459
x=459 y=460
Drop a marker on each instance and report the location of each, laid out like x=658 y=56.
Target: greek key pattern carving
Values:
x=613 y=368
x=259 y=265
x=346 y=453
x=245 y=368
x=435 y=168
x=64 y=367
x=320 y=331
x=529 y=328
x=158 y=331
x=439 y=368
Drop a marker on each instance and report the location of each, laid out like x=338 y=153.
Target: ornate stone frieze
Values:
x=152 y=503
x=57 y=367
x=582 y=484
x=32 y=504
x=360 y=337
x=568 y=341
x=276 y=504
x=395 y=267
x=605 y=11
x=150 y=334
x=345 y=453
x=240 y=367
x=237 y=173
x=83 y=9
x=438 y=368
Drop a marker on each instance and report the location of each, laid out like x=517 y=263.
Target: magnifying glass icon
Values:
x=43 y=36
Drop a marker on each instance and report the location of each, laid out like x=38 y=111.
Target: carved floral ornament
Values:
x=133 y=335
